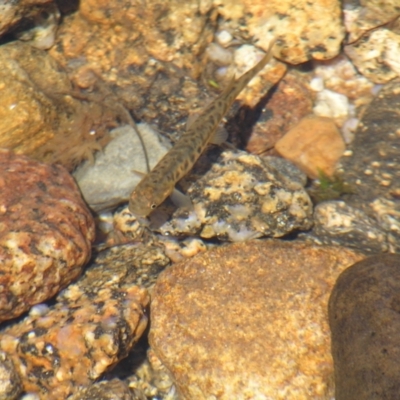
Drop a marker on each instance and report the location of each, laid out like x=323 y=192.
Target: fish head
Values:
x=141 y=204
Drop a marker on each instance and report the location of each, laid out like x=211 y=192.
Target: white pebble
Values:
x=348 y=129
x=317 y=84
x=331 y=104
x=246 y=57
x=223 y=38
x=218 y=54
x=39 y=310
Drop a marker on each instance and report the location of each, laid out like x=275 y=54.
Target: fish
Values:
x=160 y=182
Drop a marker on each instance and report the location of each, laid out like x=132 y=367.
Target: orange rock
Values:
x=248 y=321
x=314 y=144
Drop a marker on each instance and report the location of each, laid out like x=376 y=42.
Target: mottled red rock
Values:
x=288 y=104
x=93 y=324
x=249 y=321
x=46 y=232
x=313 y=145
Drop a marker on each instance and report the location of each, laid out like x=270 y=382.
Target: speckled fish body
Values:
x=157 y=185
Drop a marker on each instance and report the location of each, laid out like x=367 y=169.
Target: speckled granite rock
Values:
x=46 y=232
x=242 y=197
x=337 y=223
x=305 y=29
x=249 y=320
x=377 y=55
x=371 y=165
x=365 y=323
x=361 y=17
x=313 y=145
x=10 y=382
x=92 y=325
x=108 y=390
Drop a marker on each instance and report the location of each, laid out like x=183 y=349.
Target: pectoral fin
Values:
x=139 y=174
x=181 y=200
x=219 y=136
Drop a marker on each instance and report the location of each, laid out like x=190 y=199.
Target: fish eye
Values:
x=153 y=206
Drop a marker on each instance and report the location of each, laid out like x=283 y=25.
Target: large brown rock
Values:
x=249 y=321
x=364 y=317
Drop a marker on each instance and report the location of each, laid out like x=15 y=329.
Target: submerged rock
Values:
x=249 y=320
x=371 y=165
x=364 y=317
x=10 y=382
x=108 y=181
x=242 y=197
x=314 y=145
x=106 y=390
x=337 y=223
x=46 y=232
x=93 y=324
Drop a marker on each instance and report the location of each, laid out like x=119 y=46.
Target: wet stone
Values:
x=242 y=197
x=93 y=324
x=305 y=29
x=370 y=166
x=10 y=382
x=314 y=145
x=12 y=12
x=287 y=104
x=384 y=45
x=364 y=317
x=108 y=181
x=361 y=17
x=46 y=232
x=336 y=223
x=248 y=321
x=107 y=390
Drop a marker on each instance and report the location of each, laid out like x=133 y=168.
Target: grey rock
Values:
x=110 y=180
x=371 y=166
x=242 y=196
x=337 y=223
x=287 y=168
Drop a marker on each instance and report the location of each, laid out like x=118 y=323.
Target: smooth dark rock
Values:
x=372 y=172
x=364 y=317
